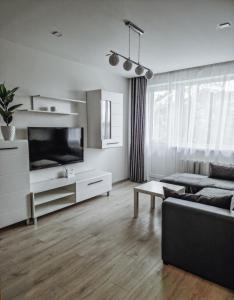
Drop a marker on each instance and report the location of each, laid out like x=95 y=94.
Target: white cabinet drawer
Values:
x=13 y=157
x=14 y=182
x=93 y=187
x=14 y=207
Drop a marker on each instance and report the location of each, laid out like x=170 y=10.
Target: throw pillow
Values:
x=221 y=202
x=225 y=172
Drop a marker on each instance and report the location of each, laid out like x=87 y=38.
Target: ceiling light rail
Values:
x=133 y=61
x=134 y=27
x=127 y=65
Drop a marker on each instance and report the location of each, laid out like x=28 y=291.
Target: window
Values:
x=196 y=113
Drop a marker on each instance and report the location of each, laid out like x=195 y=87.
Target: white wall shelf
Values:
x=48 y=112
x=59 y=99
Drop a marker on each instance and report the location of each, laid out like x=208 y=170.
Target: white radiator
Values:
x=195 y=167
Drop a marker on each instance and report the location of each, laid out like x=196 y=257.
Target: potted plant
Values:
x=7 y=111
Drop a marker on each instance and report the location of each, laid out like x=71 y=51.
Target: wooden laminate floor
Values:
x=96 y=251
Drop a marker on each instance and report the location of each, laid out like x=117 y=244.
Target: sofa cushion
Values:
x=185 y=178
x=192 y=182
x=219 y=171
x=214 y=192
x=196 y=182
x=221 y=202
x=219 y=183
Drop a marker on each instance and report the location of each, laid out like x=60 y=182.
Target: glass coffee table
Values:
x=154 y=189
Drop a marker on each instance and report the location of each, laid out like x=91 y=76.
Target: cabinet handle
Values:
x=95 y=182
x=9 y=148
x=114 y=143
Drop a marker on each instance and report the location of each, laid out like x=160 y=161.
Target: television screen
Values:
x=50 y=147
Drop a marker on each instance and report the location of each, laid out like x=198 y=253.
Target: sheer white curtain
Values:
x=190 y=117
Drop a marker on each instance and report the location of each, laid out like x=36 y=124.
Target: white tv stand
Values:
x=54 y=194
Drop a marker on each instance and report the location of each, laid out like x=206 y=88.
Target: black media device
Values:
x=50 y=146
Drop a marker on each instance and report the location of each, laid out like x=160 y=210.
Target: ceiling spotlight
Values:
x=139 y=70
x=224 y=25
x=56 y=33
x=127 y=65
x=114 y=59
x=149 y=74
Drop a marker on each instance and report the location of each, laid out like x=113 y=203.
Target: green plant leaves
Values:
x=13 y=90
x=8 y=120
x=6 y=115
x=14 y=107
x=2 y=112
x=6 y=97
x=3 y=91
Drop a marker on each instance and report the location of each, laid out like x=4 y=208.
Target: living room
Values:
x=116 y=149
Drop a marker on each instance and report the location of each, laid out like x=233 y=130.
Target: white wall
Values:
x=36 y=72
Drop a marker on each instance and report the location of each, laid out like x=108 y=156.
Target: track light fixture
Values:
x=127 y=65
x=114 y=59
x=128 y=62
x=149 y=74
x=139 y=70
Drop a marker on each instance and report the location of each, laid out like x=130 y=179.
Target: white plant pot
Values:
x=8 y=132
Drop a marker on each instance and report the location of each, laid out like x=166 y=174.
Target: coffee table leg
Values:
x=152 y=202
x=136 y=203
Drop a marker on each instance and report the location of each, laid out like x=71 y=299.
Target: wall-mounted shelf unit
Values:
x=51 y=105
x=105 y=119
x=48 y=112
x=59 y=99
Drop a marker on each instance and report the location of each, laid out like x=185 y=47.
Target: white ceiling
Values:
x=178 y=33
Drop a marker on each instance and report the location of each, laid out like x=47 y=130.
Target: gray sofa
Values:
x=194 y=182
x=199 y=238
x=196 y=237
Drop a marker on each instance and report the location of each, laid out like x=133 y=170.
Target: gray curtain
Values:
x=138 y=104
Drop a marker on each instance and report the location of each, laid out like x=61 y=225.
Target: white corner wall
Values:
x=37 y=72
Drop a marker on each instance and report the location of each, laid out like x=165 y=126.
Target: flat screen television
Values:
x=50 y=146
